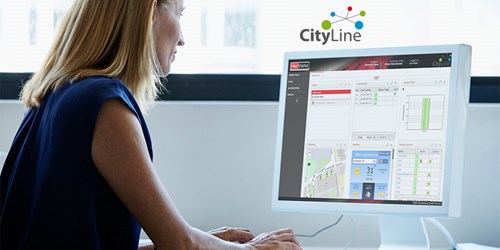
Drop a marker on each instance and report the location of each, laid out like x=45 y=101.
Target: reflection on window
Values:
x=203 y=27
x=239 y=29
x=33 y=23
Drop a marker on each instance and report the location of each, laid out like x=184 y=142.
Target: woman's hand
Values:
x=281 y=239
x=240 y=235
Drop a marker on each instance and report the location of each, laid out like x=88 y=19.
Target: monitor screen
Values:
x=372 y=130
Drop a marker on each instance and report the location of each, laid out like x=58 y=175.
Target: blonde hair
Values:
x=112 y=38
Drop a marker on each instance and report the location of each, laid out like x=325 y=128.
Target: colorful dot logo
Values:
x=327 y=24
x=442 y=58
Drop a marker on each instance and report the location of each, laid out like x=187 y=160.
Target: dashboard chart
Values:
x=425 y=112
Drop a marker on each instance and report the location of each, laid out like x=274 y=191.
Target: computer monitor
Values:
x=375 y=132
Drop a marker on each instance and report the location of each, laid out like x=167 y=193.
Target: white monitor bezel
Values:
x=455 y=139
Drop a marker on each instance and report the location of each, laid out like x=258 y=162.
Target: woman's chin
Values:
x=165 y=71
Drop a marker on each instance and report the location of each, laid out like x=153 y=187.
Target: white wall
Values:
x=216 y=160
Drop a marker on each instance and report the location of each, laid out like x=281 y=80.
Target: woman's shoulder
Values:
x=90 y=93
x=97 y=84
x=95 y=88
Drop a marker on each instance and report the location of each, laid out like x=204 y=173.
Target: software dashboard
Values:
x=366 y=129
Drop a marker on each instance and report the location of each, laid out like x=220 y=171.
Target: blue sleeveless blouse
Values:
x=53 y=196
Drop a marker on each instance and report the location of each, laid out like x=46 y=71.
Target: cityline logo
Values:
x=331 y=35
x=443 y=61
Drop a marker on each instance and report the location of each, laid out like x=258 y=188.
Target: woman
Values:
x=79 y=173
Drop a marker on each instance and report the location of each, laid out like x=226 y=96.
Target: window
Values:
x=221 y=36
x=27 y=28
x=250 y=36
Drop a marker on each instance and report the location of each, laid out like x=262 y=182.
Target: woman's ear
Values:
x=155 y=13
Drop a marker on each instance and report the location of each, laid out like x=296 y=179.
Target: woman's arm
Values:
x=120 y=154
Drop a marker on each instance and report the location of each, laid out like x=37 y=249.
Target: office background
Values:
x=213 y=135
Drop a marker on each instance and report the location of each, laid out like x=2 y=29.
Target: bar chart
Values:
x=425 y=112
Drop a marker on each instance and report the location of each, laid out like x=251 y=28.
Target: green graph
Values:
x=425 y=112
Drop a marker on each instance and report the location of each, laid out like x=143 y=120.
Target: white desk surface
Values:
x=460 y=246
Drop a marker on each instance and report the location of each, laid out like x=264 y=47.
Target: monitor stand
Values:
x=402 y=233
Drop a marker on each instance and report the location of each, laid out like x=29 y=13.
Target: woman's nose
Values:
x=181 y=41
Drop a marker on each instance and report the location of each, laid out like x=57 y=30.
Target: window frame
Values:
x=237 y=87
